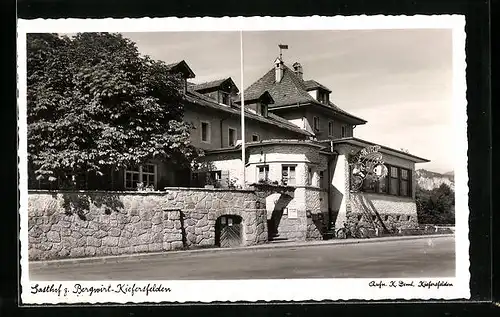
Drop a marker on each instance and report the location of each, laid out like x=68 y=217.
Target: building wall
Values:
x=371 y=209
x=66 y=224
x=303 y=118
x=382 y=211
x=220 y=136
x=322 y=134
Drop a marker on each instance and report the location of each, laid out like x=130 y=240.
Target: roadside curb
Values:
x=267 y=246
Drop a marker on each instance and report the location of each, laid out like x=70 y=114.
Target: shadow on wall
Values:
x=368 y=210
x=274 y=222
x=318 y=220
x=79 y=204
x=336 y=200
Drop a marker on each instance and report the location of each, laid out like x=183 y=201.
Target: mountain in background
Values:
x=429 y=180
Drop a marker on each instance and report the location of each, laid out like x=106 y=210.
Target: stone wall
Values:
x=382 y=211
x=77 y=224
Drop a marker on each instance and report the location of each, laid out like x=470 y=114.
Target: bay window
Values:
x=263 y=171
x=288 y=174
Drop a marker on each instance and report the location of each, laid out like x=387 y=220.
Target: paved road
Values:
x=406 y=258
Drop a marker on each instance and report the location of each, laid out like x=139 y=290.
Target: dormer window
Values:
x=323 y=97
x=225 y=98
x=263 y=110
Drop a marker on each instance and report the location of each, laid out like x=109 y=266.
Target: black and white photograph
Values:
x=253 y=157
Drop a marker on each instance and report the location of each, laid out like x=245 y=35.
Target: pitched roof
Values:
x=213 y=84
x=312 y=84
x=264 y=97
x=272 y=119
x=291 y=90
x=182 y=67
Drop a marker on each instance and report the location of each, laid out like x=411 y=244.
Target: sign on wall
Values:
x=292 y=213
x=365 y=165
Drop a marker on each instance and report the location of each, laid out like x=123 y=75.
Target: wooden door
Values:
x=228 y=231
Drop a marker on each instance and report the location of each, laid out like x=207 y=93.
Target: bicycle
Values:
x=352 y=231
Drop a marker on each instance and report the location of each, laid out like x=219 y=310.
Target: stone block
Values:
x=141 y=248
x=114 y=232
x=104 y=226
x=156 y=220
x=202 y=223
x=198 y=231
x=135 y=241
x=93 y=242
x=76 y=234
x=56 y=247
x=66 y=232
x=191 y=237
x=177 y=245
x=157 y=238
x=173 y=236
x=166 y=246
x=146 y=224
x=77 y=252
x=89 y=251
x=35 y=232
x=53 y=236
x=63 y=253
x=123 y=242
x=169 y=224
x=100 y=234
x=110 y=241
x=155 y=247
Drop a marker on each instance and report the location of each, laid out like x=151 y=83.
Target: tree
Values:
x=436 y=206
x=95 y=104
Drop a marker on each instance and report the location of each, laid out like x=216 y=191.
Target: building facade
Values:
x=296 y=138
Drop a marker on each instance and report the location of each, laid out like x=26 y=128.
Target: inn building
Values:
x=299 y=145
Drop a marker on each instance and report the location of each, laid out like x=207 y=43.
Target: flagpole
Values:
x=242 y=113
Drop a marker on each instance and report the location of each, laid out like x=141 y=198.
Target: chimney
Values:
x=278 y=69
x=297 y=69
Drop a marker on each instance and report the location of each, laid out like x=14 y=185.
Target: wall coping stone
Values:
x=383 y=196
x=135 y=192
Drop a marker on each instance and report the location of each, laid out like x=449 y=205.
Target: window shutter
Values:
x=224 y=179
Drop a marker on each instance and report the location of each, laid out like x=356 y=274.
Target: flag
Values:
x=283 y=46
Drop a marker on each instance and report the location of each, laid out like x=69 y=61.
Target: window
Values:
x=316 y=123
x=394 y=180
x=403 y=189
x=263 y=171
x=263 y=110
x=330 y=128
x=145 y=174
x=255 y=138
x=225 y=99
x=322 y=179
x=344 y=131
x=309 y=176
x=205 y=132
x=231 y=137
x=323 y=97
x=214 y=178
x=397 y=183
x=288 y=174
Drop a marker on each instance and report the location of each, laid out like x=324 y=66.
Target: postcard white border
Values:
x=253 y=290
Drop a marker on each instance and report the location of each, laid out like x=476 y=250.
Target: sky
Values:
x=400 y=81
